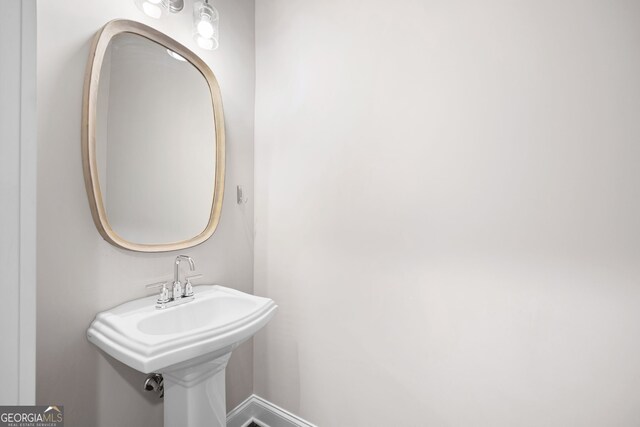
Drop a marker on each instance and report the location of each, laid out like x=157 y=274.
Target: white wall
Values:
x=18 y=195
x=447 y=211
x=79 y=274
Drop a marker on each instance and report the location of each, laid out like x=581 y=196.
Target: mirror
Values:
x=153 y=140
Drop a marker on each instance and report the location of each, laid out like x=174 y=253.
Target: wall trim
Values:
x=262 y=412
x=28 y=191
x=18 y=186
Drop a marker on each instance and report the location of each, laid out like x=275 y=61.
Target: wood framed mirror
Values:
x=152 y=140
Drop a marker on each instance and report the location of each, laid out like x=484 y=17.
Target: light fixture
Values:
x=205 y=25
x=205 y=18
x=156 y=8
x=152 y=8
x=173 y=6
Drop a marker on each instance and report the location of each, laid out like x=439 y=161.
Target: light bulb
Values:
x=204 y=28
x=205 y=43
x=152 y=10
x=175 y=55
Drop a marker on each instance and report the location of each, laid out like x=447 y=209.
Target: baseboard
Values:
x=266 y=414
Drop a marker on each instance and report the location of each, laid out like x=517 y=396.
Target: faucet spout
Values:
x=176 y=266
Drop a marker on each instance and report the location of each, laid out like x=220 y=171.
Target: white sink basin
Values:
x=208 y=313
x=189 y=344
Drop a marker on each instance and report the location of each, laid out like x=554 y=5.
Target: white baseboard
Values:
x=264 y=413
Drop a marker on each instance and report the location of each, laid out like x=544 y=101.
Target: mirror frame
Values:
x=89 y=107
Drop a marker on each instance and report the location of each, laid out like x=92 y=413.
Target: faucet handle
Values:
x=157 y=285
x=188 y=287
x=164 y=293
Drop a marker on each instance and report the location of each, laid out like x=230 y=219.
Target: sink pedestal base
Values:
x=194 y=395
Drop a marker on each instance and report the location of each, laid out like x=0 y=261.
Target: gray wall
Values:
x=79 y=274
x=447 y=211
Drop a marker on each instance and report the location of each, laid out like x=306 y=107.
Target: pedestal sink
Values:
x=189 y=345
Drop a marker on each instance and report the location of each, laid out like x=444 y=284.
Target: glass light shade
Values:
x=151 y=8
x=205 y=25
x=208 y=44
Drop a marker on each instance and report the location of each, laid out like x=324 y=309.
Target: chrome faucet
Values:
x=177 y=286
x=179 y=295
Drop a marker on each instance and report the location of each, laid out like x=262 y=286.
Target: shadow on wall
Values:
x=291 y=348
x=134 y=380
